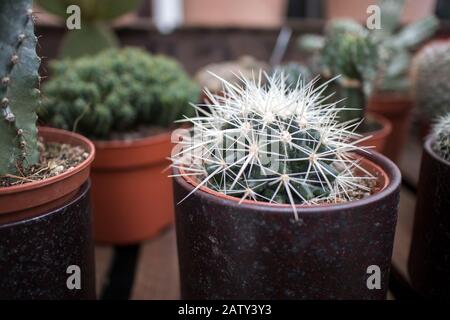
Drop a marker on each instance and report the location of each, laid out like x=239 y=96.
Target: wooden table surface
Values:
x=150 y=270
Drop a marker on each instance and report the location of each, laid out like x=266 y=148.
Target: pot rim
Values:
x=385 y=166
x=133 y=143
x=427 y=146
x=75 y=137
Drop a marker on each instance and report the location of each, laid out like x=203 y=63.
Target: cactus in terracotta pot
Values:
x=94 y=34
x=116 y=90
x=430 y=79
x=19 y=80
x=273 y=143
x=441 y=137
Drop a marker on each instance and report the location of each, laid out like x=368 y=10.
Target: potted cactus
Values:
x=95 y=34
x=430 y=85
x=126 y=101
x=347 y=50
x=45 y=223
x=275 y=199
x=391 y=97
x=430 y=248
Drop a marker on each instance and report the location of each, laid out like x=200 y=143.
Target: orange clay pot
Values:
x=131 y=191
x=33 y=198
x=379 y=138
x=397 y=108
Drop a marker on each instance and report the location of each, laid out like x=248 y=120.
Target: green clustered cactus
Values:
x=396 y=46
x=19 y=80
x=441 y=137
x=348 y=51
x=116 y=90
x=430 y=79
x=271 y=143
x=95 y=34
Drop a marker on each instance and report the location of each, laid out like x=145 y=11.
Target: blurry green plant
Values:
x=394 y=46
x=116 y=90
x=430 y=76
x=441 y=137
x=293 y=72
x=95 y=34
x=347 y=51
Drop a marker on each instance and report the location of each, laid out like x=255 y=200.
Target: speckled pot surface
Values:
x=429 y=262
x=35 y=253
x=255 y=251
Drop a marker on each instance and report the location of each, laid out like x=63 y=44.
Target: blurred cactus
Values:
x=431 y=79
x=396 y=48
x=19 y=80
x=293 y=72
x=116 y=90
x=348 y=51
x=94 y=34
x=441 y=137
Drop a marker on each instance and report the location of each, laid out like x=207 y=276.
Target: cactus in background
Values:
x=293 y=72
x=430 y=76
x=441 y=134
x=272 y=143
x=94 y=34
x=396 y=48
x=116 y=90
x=19 y=80
x=350 y=52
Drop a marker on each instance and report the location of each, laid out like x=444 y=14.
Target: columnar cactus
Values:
x=19 y=80
x=272 y=143
x=117 y=90
x=396 y=47
x=430 y=79
x=441 y=135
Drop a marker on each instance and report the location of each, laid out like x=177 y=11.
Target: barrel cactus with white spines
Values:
x=19 y=82
x=441 y=137
x=117 y=90
x=430 y=79
x=272 y=143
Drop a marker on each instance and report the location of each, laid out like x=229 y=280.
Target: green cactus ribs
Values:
x=19 y=80
x=117 y=90
x=263 y=140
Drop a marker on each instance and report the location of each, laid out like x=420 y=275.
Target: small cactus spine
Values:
x=19 y=80
x=441 y=137
x=272 y=143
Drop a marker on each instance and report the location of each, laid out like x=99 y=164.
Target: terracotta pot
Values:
x=429 y=261
x=357 y=9
x=380 y=136
x=45 y=227
x=235 y=13
x=131 y=195
x=397 y=108
x=256 y=250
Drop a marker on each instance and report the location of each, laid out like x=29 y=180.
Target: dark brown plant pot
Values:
x=429 y=261
x=256 y=250
x=45 y=227
x=397 y=108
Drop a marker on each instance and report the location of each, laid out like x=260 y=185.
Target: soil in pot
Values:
x=251 y=250
x=429 y=264
x=131 y=191
x=45 y=222
x=397 y=108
